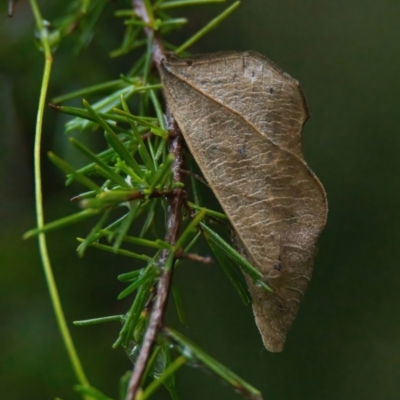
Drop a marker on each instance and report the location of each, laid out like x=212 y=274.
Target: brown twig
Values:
x=158 y=50
x=175 y=203
x=174 y=210
x=195 y=257
x=195 y=176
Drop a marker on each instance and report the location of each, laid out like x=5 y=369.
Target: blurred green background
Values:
x=345 y=343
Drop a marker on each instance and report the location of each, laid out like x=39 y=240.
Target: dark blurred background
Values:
x=345 y=343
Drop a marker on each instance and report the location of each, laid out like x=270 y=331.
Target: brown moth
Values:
x=242 y=119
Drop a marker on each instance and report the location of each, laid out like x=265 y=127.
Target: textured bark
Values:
x=242 y=118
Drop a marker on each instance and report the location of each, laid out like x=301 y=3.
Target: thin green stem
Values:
x=52 y=287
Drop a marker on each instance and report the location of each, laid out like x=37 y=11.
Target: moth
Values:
x=242 y=119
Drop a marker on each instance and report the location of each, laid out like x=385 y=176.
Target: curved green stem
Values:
x=51 y=284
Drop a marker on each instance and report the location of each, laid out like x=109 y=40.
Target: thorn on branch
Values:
x=54 y=106
x=147 y=136
x=195 y=176
x=194 y=257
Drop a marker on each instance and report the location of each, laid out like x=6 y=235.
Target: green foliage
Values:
x=127 y=186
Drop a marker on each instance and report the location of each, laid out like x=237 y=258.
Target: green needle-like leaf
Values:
x=161 y=174
x=142 y=149
x=94 y=394
x=230 y=271
x=135 y=180
x=61 y=223
x=155 y=244
x=122 y=151
x=101 y=320
x=161 y=150
x=83 y=114
x=190 y=229
x=170 y=382
x=126 y=224
x=211 y=25
x=193 y=352
x=131 y=288
x=111 y=198
x=235 y=256
x=120 y=252
x=149 y=10
x=174 y=23
x=102 y=166
x=179 y=304
x=183 y=3
x=154 y=128
x=154 y=356
x=158 y=109
x=125 y=13
x=155 y=384
x=123 y=385
x=210 y=213
x=102 y=106
x=93 y=234
x=105 y=156
x=105 y=105
x=129 y=44
x=130 y=276
x=148 y=59
x=89 y=90
x=114 y=141
x=133 y=315
x=78 y=176
x=149 y=218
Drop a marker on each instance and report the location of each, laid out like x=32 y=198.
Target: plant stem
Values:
x=175 y=204
x=158 y=51
x=52 y=287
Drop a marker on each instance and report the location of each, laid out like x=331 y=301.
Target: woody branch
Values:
x=175 y=203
